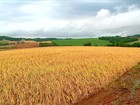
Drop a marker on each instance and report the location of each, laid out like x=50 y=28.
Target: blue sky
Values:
x=69 y=18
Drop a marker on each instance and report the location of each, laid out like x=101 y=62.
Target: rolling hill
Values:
x=81 y=42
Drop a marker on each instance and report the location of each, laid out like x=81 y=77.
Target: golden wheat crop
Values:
x=60 y=75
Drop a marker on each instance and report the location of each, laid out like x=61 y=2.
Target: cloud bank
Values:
x=85 y=18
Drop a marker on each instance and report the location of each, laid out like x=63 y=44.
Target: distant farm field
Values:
x=81 y=42
x=60 y=75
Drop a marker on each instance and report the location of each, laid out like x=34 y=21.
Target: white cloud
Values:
x=129 y=18
x=103 y=13
x=109 y=22
x=132 y=7
x=39 y=8
x=41 y=16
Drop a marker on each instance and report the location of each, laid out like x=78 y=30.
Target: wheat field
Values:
x=60 y=75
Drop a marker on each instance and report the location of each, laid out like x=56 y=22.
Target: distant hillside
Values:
x=9 y=38
x=129 y=41
x=18 y=39
x=81 y=42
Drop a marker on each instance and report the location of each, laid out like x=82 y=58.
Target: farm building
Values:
x=48 y=42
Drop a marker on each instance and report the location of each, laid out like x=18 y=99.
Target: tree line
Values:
x=122 y=41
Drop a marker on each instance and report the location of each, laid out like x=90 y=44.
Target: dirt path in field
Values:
x=124 y=91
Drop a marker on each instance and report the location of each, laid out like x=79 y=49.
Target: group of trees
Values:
x=137 y=35
x=118 y=39
x=122 y=41
x=87 y=44
x=136 y=44
x=46 y=44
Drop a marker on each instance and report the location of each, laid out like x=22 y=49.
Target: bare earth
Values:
x=124 y=91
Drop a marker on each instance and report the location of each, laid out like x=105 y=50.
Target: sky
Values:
x=69 y=18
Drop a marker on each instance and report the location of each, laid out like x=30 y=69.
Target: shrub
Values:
x=136 y=44
x=87 y=44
